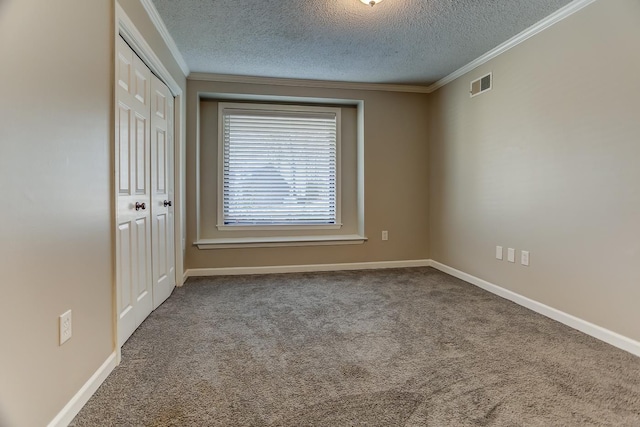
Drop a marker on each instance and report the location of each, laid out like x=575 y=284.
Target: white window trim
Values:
x=222 y=106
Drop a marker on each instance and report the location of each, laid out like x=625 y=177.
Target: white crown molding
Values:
x=598 y=332
x=542 y=25
x=237 y=271
x=71 y=409
x=164 y=33
x=325 y=84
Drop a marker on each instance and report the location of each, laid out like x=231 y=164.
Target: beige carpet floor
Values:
x=401 y=347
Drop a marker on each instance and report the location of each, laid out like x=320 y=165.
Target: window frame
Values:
x=275 y=108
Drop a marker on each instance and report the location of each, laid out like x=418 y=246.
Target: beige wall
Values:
x=55 y=181
x=55 y=225
x=548 y=162
x=395 y=153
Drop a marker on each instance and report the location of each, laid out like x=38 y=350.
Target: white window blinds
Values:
x=280 y=167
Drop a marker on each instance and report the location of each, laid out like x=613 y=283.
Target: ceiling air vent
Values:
x=481 y=85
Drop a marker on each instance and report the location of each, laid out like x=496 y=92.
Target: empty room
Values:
x=320 y=213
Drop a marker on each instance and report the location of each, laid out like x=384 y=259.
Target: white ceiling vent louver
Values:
x=481 y=85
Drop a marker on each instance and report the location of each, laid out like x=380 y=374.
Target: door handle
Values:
x=140 y=206
x=167 y=203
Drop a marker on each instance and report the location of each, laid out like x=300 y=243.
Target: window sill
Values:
x=271 y=242
x=277 y=227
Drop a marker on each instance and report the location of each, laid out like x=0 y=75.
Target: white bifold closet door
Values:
x=145 y=255
x=163 y=266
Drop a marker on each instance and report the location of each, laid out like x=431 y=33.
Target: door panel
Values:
x=124 y=260
x=161 y=267
x=144 y=297
x=123 y=159
x=141 y=148
x=124 y=68
x=124 y=232
x=161 y=163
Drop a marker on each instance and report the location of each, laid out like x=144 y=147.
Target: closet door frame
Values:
x=125 y=28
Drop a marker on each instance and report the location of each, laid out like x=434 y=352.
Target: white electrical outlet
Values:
x=499 y=252
x=65 y=326
x=524 y=258
x=385 y=235
x=511 y=255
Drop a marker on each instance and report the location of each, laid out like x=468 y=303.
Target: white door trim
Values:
x=125 y=28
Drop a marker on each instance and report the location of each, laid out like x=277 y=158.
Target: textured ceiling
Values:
x=396 y=41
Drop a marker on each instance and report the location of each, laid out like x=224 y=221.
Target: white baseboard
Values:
x=581 y=325
x=71 y=409
x=233 y=271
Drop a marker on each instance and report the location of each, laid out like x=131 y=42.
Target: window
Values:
x=279 y=166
